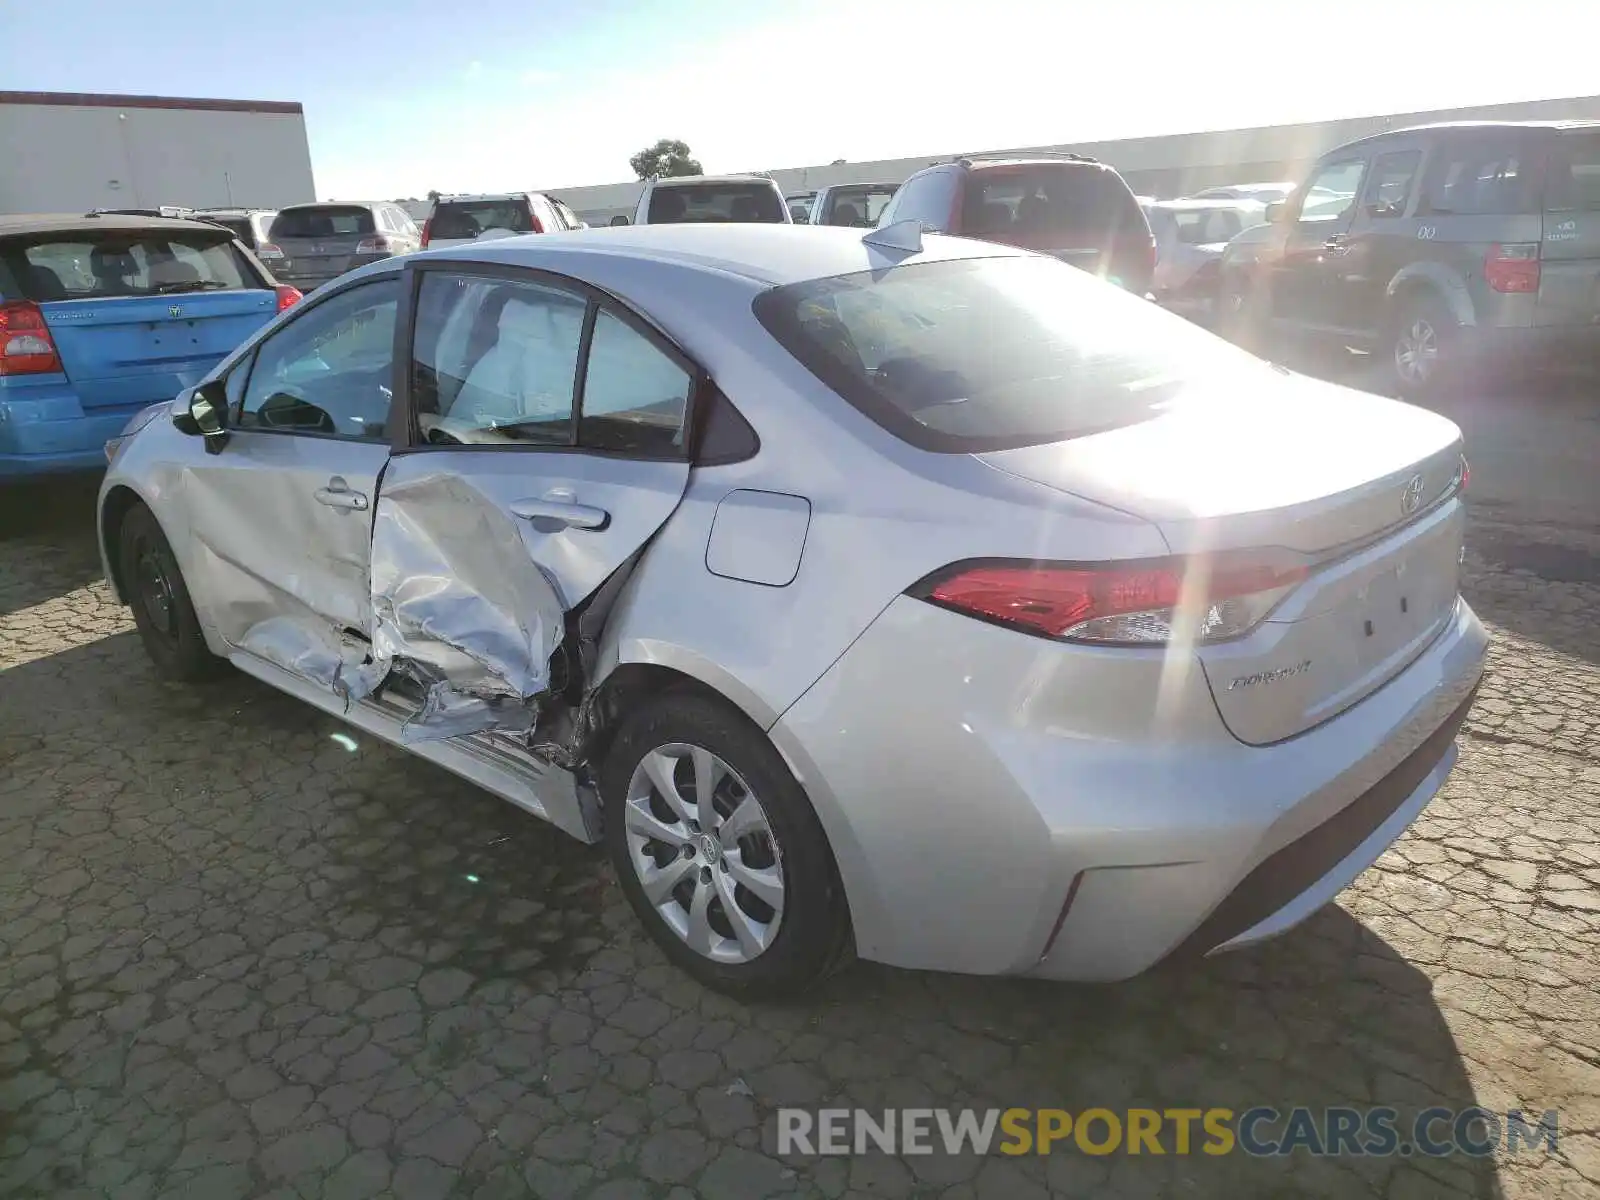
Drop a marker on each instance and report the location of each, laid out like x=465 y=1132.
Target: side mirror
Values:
x=619 y=220
x=1276 y=211
x=207 y=415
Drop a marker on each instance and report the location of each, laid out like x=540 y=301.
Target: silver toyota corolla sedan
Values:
x=931 y=601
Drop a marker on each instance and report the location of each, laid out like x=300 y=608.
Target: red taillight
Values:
x=26 y=347
x=1138 y=603
x=288 y=296
x=377 y=244
x=1463 y=474
x=1512 y=269
x=427 y=232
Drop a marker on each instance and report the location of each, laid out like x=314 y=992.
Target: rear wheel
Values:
x=162 y=610
x=719 y=851
x=1424 y=343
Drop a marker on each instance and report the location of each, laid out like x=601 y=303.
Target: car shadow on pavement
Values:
x=55 y=521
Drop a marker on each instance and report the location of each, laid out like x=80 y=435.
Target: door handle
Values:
x=1336 y=245
x=338 y=494
x=567 y=512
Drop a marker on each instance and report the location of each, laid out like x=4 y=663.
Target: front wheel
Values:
x=719 y=851
x=162 y=610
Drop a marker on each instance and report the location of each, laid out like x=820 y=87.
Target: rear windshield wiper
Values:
x=192 y=285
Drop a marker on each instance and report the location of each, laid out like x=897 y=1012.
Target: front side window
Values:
x=327 y=372
x=635 y=398
x=79 y=266
x=495 y=361
x=989 y=353
x=1332 y=194
x=1389 y=187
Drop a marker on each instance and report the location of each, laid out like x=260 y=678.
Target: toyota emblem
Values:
x=1411 y=495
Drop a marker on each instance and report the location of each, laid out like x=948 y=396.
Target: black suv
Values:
x=1432 y=246
x=1073 y=207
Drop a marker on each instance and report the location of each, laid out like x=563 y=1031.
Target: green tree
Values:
x=666 y=159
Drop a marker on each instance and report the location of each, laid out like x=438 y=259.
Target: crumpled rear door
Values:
x=478 y=557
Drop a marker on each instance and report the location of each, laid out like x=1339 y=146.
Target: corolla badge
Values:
x=1411 y=495
x=1260 y=677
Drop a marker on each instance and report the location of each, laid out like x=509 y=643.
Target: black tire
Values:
x=1422 y=325
x=154 y=588
x=813 y=939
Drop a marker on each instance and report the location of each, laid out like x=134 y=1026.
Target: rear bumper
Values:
x=999 y=804
x=51 y=434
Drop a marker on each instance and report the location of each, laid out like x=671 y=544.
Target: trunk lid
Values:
x=1358 y=488
x=1569 y=275
x=131 y=351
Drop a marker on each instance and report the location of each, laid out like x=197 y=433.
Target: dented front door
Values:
x=281 y=519
x=547 y=449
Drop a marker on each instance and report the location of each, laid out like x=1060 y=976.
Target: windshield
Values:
x=87 y=266
x=680 y=202
x=859 y=206
x=990 y=353
x=323 y=220
x=469 y=218
x=1068 y=202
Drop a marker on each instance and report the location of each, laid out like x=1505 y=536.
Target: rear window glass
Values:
x=1482 y=176
x=84 y=266
x=469 y=218
x=991 y=353
x=715 y=202
x=323 y=221
x=1083 y=204
x=1573 y=181
x=858 y=206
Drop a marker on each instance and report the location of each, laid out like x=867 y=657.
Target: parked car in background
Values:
x=1438 y=246
x=250 y=225
x=1191 y=236
x=800 y=206
x=700 y=198
x=104 y=315
x=1048 y=562
x=166 y=210
x=319 y=242
x=455 y=220
x=1074 y=208
x=851 y=204
x=1262 y=193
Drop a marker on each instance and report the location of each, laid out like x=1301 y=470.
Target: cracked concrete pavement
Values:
x=243 y=956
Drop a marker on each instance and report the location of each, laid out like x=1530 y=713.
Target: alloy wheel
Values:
x=1416 y=352
x=704 y=852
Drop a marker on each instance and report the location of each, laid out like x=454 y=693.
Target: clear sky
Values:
x=406 y=95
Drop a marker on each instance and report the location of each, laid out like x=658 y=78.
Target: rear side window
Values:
x=469 y=218
x=1572 y=183
x=83 y=266
x=929 y=197
x=325 y=220
x=1078 y=202
x=1389 y=184
x=990 y=353
x=694 y=202
x=1477 y=176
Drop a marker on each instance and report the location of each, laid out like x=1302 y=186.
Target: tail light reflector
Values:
x=26 y=347
x=427 y=232
x=377 y=244
x=1512 y=268
x=288 y=296
x=1139 y=603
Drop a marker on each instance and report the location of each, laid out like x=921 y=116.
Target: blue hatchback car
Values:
x=102 y=315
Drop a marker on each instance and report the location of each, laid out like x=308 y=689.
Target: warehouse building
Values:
x=1165 y=166
x=71 y=152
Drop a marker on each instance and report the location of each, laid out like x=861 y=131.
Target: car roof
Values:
x=691 y=180
x=233 y=212
x=1468 y=126
x=768 y=254
x=339 y=204
x=469 y=197
x=24 y=223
